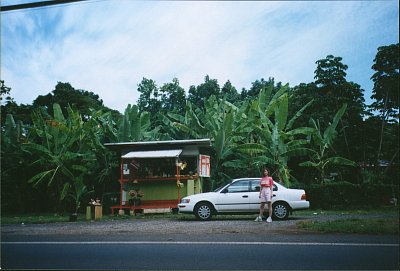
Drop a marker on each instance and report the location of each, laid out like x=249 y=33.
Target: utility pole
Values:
x=36 y=5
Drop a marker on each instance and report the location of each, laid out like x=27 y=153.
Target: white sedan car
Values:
x=241 y=197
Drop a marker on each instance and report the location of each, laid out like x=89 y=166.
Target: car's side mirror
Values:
x=225 y=191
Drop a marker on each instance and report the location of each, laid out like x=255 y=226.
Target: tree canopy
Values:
x=387 y=81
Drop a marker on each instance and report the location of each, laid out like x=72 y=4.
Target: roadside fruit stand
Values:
x=155 y=175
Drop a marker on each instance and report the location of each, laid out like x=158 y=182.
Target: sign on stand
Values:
x=204 y=165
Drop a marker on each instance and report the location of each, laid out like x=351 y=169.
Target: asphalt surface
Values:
x=199 y=256
x=173 y=244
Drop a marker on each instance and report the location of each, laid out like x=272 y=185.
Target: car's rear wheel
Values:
x=280 y=210
x=203 y=211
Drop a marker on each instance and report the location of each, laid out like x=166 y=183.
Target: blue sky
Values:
x=107 y=47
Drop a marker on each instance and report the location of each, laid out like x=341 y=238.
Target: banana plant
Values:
x=274 y=140
x=13 y=179
x=78 y=191
x=218 y=122
x=60 y=148
x=320 y=158
x=12 y=130
x=135 y=125
x=100 y=129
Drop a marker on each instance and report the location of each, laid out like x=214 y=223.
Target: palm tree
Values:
x=79 y=191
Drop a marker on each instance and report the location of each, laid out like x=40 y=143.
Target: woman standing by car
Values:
x=266 y=187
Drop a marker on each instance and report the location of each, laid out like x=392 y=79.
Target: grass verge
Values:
x=359 y=226
x=33 y=218
x=342 y=211
x=54 y=218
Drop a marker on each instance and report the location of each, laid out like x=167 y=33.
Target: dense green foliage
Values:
x=314 y=134
x=350 y=195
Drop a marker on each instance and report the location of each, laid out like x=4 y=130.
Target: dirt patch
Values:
x=149 y=226
x=167 y=226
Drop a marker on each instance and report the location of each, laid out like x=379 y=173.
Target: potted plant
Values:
x=135 y=195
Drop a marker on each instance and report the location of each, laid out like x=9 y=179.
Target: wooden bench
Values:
x=149 y=204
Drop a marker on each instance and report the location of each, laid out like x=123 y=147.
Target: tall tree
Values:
x=173 y=98
x=65 y=95
x=386 y=86
x=334 y=90
x=150 y=98
x=10 y=107
x=198 y=95
x=230 y=93
x=4 y=91
x=259 y=85
x=386 y=81
x=330 y=91
x=330 y=72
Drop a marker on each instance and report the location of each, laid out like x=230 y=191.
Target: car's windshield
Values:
x=222 y=186
x=219 y=188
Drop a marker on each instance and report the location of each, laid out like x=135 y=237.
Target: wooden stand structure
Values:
x=136 y=155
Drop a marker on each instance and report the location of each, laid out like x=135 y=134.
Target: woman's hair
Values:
x=265 y=169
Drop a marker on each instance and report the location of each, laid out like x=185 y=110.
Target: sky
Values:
x=108 y=46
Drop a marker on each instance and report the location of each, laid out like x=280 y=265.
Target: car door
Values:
x=234 y=198
x=254 y=199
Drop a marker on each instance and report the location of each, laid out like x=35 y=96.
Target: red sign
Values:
x=204 y=165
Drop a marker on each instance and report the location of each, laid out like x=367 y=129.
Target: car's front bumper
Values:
x=185 y=208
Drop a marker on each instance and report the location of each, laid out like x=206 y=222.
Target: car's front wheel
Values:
x=203 y=211
x=280 y=210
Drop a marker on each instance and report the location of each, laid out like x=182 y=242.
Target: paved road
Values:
x=226 y=255
x=184 y=245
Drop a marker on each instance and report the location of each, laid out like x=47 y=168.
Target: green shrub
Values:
x=345 y=194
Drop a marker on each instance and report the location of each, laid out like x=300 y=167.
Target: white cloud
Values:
x=108 y=48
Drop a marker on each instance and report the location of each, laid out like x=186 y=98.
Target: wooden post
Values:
x=98 y=212
x=122 y=183
x=178 y=178
x=88 y=212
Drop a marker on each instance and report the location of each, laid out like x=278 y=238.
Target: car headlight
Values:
x=185 y=200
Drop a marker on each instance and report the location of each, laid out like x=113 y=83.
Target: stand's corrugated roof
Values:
x=152 y=154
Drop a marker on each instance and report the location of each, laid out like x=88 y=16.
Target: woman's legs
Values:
x=269 y=219
x=270 y=208
x=262 y=205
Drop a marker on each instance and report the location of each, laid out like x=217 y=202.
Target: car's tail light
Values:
x=303 y=197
